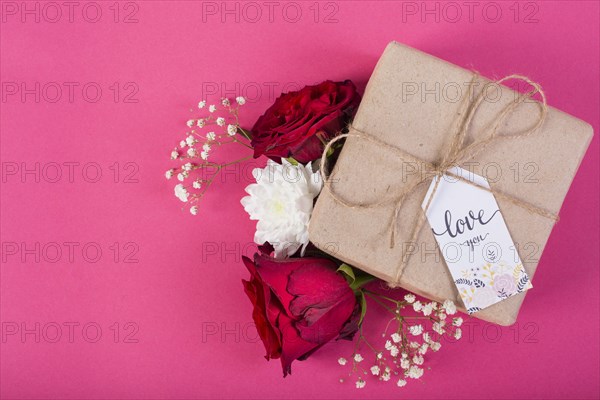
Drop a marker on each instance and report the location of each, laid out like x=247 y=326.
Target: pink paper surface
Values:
x=175 y=323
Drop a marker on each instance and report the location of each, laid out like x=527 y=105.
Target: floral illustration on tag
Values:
x=480 y=287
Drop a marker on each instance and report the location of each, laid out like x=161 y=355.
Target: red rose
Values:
x=299 y=305
x=300 y=122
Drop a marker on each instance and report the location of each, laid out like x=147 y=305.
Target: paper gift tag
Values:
x=474 y=241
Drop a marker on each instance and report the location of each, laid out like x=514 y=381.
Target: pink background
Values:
x=194 y=334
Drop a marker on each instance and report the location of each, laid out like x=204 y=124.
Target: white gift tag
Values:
x=474 y=241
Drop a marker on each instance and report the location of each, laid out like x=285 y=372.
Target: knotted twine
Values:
x=455 y=154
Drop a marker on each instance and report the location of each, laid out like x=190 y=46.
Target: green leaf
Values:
x=349 y=272
x=363 y=306
x=292 y=161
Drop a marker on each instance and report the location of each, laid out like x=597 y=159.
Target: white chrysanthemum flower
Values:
x=212 y=108
x=358 y=358
x=231 y=130
x=396 y=337
x=375 y=370
x=281 y=201
x=360 y=383
x=401 y=383
x=194 y=210
x=410 y=298
x=220 y=121
x=450 y=307
x=210 y=136
x=202 y=104
x=416 y=330
x=181 y=193
x=240 y=100
x=191 y=123
x=342 y=361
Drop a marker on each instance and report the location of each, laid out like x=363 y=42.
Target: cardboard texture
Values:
x=411 y=102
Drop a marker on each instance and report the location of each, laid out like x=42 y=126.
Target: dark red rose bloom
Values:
x=299 y=305
x=298 y=123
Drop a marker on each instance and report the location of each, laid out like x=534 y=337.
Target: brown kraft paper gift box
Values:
x=411 y=103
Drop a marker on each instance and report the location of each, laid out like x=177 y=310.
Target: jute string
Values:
x=455 y=154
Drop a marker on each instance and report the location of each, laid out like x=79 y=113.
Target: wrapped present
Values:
x=420 y=116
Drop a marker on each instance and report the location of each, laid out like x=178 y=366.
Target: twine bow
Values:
x=456 y=154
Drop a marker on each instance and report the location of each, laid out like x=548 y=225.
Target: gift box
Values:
x=412 y=102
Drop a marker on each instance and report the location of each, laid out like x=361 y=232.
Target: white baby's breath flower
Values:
x=416 y=330
x=204 y=155
x=197 y=184
x=202 y=104
x=231 y=130
x=342 y=361
x=181 y=193
x=281 y=201
x=360 y=383
x=457 y=333
x=174 y=155
x=410 y=298
x=414 y=372
x=358 y=358
x=194 y=210
x=180 y=177
x=405 y=363
x=423 y=348
x=418 y=360
x=435 y=346
x=187 y=166
x=388 y=345
x=191 y=152
x=457 y=321
x=437 y=327
x=375 y=370
x=240 y=100
x=210 y=136
x=190 y=123
x=417 y=306
x=401 y=383
x=396 y=337
x=394 y=351
x=220 y=121
x=427 y=309
x=386 y=375
x=169 y=174
x=225 y=102
x=182 y=144
x=212 y=108
x=450 y=307
x=200 y=123
x=206 y=147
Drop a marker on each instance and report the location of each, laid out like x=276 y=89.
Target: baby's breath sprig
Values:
x=204 y=134
x=403 y=353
